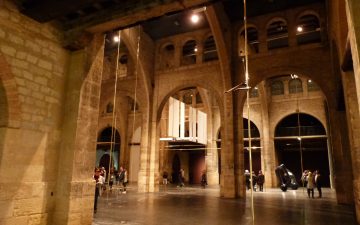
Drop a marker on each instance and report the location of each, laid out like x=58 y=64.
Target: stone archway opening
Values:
x=108 y=149
x=188 y=135
x=255 y=146
x=301 y=144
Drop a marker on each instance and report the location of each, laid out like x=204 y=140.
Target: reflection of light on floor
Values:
x=294 y=193
x=283 y=194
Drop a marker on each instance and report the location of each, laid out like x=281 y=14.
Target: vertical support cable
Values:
x=136 y=78
x=113 y=126
x=248 y=113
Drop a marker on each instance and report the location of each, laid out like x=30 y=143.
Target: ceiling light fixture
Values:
x=195 y=18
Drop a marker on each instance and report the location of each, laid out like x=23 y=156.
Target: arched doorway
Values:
x=303 y=136
x=255 y=146
x=105 y=144
x=176 y=165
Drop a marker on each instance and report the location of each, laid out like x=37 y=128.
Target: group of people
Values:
x=117 y=177
x=181 y=178
x=257 y=180
x=311 y=180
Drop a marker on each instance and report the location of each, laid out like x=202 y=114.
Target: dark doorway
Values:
x=176 y=165
x=255 y=147
x=104 y=161
x=196 y=166
x=302 y=135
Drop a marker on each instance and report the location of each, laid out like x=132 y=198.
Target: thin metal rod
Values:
x=136 y=79
x=248 y=114
x=113 y=125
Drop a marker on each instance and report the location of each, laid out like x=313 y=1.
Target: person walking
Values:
x=261 y=180
x=318 y=182
x=247 y=179
x=204 y=179
x=181 y=178
x=97 y=187
x=310 y=184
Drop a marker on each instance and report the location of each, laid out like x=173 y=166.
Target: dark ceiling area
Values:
x=235 y=8
x=178 y=23
x=72 y=14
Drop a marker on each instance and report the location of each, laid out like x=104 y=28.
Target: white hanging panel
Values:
x=171 y=117
x=176 y=118
x=202 y=137
x=182 y=120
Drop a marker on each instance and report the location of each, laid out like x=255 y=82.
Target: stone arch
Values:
x=269 y=72
x=274 y=19
x=165 y=97
x=10 y=97
x=307 y=112
x=307 y=12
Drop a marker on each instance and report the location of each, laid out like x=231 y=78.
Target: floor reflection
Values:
x=193 y=205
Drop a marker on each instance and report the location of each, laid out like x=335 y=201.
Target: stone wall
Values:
x=32 y=72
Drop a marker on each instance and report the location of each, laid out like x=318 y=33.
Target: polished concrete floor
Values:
x=193 y=205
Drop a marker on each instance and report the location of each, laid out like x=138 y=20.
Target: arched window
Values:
x=109 y=107
x=295 y=86
x=277 y=35
x=187 y=98
x=123 y=66
x=308 y=30
x=132 y=105
x=254 y=92
x=253 y=40
x=312 y=86
x=198 y=98
x=210 y=52
x=277 y=87
x=189 y=53
x=167 y=56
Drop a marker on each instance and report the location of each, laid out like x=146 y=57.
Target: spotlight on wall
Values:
x=309 y=81
x=195 y=49
x=195 y=18
x=299 y=138
x=294 y=76
x=116 y=39
x=299 y=29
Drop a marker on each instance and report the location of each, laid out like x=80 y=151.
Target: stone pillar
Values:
x=75 y=185
x=267 y=152
x=341 y=156
x=178 y=54
x=353 y=21
x=262 y=32
x=353 y=116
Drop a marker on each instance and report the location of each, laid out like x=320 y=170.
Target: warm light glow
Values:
x=256 y=88
x=116 y=39
x=195 y=49
x=299 y=29
x=293 y=76
x=195 y=18
x=299 y=138
x=309 y=81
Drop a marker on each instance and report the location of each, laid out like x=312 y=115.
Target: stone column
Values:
x=353 y=21
x=267 y=151
x=341 y=156
x=75 y=185
x=353 y=116
x=291 y=26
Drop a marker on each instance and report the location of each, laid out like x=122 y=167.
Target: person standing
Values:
x=181 y=178
x=247 y=179
x=261 y=180
x=310 y=184
x=97 y=187
x=203 y=179
x=125 y=180
x=318 y=182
